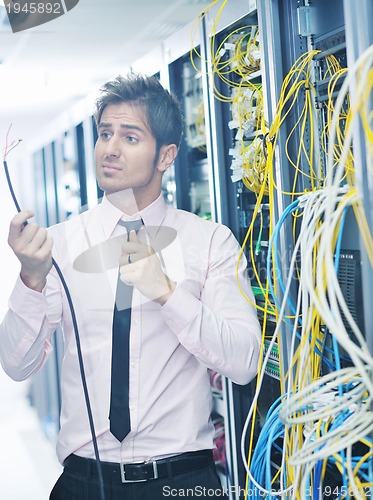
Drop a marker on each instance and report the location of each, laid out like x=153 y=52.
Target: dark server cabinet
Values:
x=222 y=75
x=205 y=182
x=309 y=49
x=237 y=88
x=249 y=115
x=191 y=165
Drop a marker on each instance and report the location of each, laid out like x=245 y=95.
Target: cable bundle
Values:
x=324 y=422
x=327 y=417
x=319 y=416
x=321 y=423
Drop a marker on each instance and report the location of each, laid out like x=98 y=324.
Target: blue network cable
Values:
x=260 y=467
x=273 y=242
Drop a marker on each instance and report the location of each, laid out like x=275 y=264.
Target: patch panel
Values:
x=273 y=369
x=274 y=356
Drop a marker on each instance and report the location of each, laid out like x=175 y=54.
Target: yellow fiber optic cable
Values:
x=253 y=421
x=196 y=26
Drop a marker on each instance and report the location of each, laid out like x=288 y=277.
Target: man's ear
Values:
x=167 y=155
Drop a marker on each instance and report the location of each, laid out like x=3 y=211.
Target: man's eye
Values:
x=131 y=139
x=105 y=135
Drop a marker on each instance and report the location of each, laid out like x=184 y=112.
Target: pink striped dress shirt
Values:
x=206 y=324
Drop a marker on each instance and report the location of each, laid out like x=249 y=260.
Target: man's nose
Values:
x=112 y=147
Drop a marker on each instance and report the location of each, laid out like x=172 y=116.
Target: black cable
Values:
x=10 y=186
x=77 y=340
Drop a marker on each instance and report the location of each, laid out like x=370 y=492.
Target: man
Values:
x=187 y=312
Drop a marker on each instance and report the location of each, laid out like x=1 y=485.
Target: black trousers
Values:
x=201 y=483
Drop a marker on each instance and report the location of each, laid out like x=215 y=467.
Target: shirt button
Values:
x=132 y=408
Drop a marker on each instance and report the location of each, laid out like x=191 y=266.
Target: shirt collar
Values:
x=152 y=215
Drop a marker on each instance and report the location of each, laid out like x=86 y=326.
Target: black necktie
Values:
x=119 y=415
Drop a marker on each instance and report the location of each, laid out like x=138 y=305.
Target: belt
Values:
x=143 y=471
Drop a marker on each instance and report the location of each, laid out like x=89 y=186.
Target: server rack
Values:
x=191 y=166
x=195 y=177
x=237 y=24
x=359 y=36
x=293 y=29
x=231 y=401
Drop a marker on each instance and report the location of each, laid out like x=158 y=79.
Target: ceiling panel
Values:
x=43 y=70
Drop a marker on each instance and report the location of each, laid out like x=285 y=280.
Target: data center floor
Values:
x=28 y=463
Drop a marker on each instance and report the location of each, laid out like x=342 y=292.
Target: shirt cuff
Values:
x=25 y=322
x=180 y=309
x=21 y=294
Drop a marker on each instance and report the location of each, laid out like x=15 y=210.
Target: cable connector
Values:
x=302 y=199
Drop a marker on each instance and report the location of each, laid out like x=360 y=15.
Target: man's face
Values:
x=125 y=151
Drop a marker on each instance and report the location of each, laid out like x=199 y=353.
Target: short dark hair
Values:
x=161 y=107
